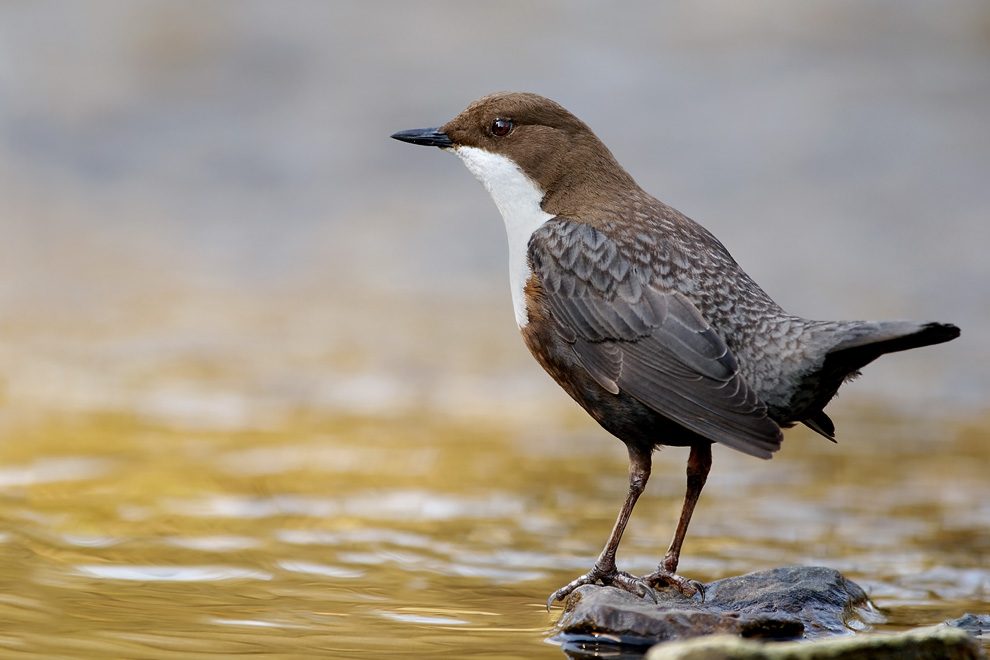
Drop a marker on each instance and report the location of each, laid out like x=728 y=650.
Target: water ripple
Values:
x=321 y=569
x=419 y=618
x=55 y=469
x=171 y=573
x=375 y=505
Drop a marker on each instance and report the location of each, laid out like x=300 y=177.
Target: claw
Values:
x=701 y=589
x=648 y=591
x=590 y=577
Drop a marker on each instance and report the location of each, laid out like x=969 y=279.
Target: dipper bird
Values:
x=641 y=314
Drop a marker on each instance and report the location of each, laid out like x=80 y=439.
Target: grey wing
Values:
x=653 y=344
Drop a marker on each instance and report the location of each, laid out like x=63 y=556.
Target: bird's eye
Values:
x=501 y=127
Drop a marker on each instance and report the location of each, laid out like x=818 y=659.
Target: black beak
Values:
x=430 y=137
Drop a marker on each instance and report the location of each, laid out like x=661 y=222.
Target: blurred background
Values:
x=232 y=310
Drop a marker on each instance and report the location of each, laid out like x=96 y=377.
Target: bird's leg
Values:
x=699 y=464
x=604 y=570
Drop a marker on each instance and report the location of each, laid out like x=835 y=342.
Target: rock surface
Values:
x=793 y=602
x=977 y=625
x=942 y=642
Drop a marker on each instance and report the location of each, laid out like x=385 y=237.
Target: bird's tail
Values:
x=863 y=342
x=866 y=341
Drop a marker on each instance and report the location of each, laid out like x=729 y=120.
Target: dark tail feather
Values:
x=877 y=339
x=896 y=336
x=863 y=343
x=821 y=424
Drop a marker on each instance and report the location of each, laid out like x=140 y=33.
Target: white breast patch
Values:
x=518 y=199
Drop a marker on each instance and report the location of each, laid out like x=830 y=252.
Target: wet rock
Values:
x=822 y=599
x=780 y=603
x=977 y=625
x=943 y=642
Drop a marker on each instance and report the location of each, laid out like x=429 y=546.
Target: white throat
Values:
x=518 y=200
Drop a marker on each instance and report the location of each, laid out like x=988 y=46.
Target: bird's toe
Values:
x=608 y=577
x=661 y=577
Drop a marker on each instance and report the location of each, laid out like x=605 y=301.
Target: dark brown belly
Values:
x=619 y=414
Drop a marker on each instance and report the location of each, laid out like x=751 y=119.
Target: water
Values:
x=411 y=537
x=261 y=389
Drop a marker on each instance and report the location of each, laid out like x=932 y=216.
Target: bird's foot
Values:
x=609 y=577
x=664 y=577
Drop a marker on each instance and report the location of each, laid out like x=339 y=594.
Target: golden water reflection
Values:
x=368 y=537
